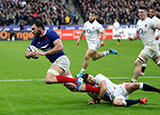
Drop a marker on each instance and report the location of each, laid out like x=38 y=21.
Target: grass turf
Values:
x=37 y=98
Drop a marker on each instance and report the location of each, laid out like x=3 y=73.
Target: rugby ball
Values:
x=32 y=49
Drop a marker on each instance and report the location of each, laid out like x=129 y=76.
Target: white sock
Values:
x=83 y=70
x=141 y=86
x=105 y=53
x=144 y=65
x=133 y=80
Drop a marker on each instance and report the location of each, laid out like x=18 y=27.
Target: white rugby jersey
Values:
x=92 y=30
x=116 y=25
x=146 y=30
x=157 y=32
x=111 y=87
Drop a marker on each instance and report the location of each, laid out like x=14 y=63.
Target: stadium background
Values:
x=22 y=87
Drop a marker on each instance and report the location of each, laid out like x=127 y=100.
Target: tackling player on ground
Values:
x=118 y=93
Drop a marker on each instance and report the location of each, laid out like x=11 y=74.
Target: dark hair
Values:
x=93 y=13
x=152 y=8
x=143 y=7
x=85 y=77
x=39 y=23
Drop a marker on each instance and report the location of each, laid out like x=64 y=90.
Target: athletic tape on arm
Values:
x=53 y=71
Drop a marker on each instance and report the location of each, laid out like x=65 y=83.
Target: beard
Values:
x=151 y=16
x=37 y=34
x=91 y=21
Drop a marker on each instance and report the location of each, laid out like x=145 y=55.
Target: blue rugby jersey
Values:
x=45 y=43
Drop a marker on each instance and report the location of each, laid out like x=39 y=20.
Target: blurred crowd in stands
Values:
x=24 y=12
x=57 y=12
x=125 y=10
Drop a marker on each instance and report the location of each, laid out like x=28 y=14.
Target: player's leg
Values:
x=55 y=75
x=89 y=54
x=117 y=36
x=98 y=55
x=57 y=70
x=78 y=86
x=143 y=68
x=131 y=87
x=157 y=60
x=118 y=39
x=127 y=102
x=142 y=58
x=137 y=70
x=52 y=72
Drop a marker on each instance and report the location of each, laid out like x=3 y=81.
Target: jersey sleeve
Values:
x=85 y=26
x=54 y=36
x=100 y=28
x=157 y=33
x=155 y=22
x=99 y=78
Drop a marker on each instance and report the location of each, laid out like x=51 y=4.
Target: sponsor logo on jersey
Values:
x=145 y=25
x=45 y=46
x=46 y=38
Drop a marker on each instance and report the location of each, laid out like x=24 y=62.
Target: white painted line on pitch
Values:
x=13 y=80
x=142 y=77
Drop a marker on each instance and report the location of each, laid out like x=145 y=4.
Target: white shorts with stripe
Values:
x=63 y=62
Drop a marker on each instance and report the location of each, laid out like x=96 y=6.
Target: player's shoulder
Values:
x=86 y=23
x=51 y=33
x=155 y=19
x=96 y=22
x=100 y=76
x=148 y=19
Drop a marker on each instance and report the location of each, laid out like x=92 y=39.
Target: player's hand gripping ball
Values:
x=33 y=49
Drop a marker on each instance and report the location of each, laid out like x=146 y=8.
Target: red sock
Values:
x=90 y=88
x=62 y=79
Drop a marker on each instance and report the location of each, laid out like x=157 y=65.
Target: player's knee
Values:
x=86 y=57
x=135 y=85
x=94 y=58
x=47 y=81
x=50 y=79
x=118 y=102
x=137 y=63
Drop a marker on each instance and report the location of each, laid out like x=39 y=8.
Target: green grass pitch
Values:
x=37 y=98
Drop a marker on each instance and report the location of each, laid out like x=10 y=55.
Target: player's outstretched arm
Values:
x=80 y=37
x=104 y=38
x=135 y=37
x=103 y=88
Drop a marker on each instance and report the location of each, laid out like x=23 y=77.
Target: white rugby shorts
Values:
x=121 y=92
x=94 y=45
x=150 y=52
x=116 y=32
x=63 y=62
